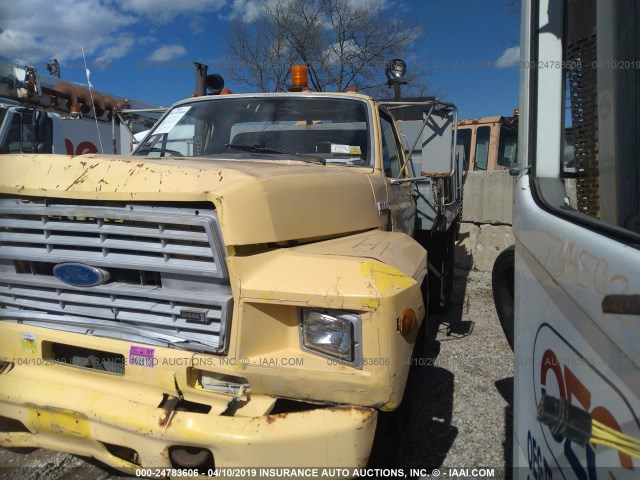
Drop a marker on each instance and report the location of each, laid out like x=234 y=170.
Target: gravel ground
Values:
x=462 y=403
x=459 y=402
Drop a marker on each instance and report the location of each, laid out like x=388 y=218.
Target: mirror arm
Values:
x=399 y=181
x=409 y=159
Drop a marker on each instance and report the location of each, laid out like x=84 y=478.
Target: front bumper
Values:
x=87 y=421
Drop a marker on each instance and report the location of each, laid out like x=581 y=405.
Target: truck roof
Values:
x=485 y=120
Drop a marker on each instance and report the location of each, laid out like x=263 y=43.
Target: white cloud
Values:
x=167 y=53
x=374 y=5
x=349 y=49
x=39 y=29
x=122 y=45
x=247 y=10
x=509 y=58
x=166 y=10
x=146 y=40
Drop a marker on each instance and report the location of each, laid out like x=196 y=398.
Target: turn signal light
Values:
x=407 y=321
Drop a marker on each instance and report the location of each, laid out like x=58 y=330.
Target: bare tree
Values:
x=256 y=61
x=344 y=43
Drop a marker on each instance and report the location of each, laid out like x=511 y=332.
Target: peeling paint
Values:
x=58 y=420
x=385 y=278
x=372 y=303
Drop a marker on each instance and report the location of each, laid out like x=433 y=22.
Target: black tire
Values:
x=502 y=284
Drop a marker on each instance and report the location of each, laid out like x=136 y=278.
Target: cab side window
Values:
x=390 y=149
x=14 y=137
x=508 y=149
x=595 y=176
x=464 y=140
x=483 y=137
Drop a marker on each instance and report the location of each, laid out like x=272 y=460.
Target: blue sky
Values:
x=143 y=49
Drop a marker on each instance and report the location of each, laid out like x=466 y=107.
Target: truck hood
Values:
x=257 y=201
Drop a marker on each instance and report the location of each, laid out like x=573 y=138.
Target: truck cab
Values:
x=43 y=114
x=490 y=143
x=577 y=231
x=26 y=129
x=244 y=289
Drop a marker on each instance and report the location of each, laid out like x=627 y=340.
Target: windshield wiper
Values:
x=175 y=153
x=263 y=149
x=348 y=162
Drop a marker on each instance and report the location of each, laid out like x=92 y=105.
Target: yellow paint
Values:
x=59 y=420
x=80 y=415
x=372 y=303
x=386 y=278
x=29 y=342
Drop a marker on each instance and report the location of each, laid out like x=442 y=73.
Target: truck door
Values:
x=399 y=196
x=577 y=229
x=26 y=130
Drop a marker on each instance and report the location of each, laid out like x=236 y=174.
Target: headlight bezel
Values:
x=354 y=321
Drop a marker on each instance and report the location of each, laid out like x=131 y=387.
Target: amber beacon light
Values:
x=299 y=78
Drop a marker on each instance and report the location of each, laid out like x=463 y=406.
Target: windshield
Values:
x=316 y=130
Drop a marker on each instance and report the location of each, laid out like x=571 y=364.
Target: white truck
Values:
x=43 y=114
x=577 y=252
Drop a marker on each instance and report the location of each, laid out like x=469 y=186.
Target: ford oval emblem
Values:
x=80 y=275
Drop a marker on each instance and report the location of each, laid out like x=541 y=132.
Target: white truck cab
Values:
x=43 y=114
x=577 y=230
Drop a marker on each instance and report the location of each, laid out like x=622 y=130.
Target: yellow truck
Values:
x=490 y=143
x=242 y=291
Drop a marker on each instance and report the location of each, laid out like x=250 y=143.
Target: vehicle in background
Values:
x=490 y=143
x=43 y=114
x=577 y=229
x=244 y=290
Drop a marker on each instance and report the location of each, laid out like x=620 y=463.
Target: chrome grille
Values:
x=144 y=238
x=181 y=248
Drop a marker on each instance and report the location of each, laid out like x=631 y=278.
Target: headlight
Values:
x=332 y=334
